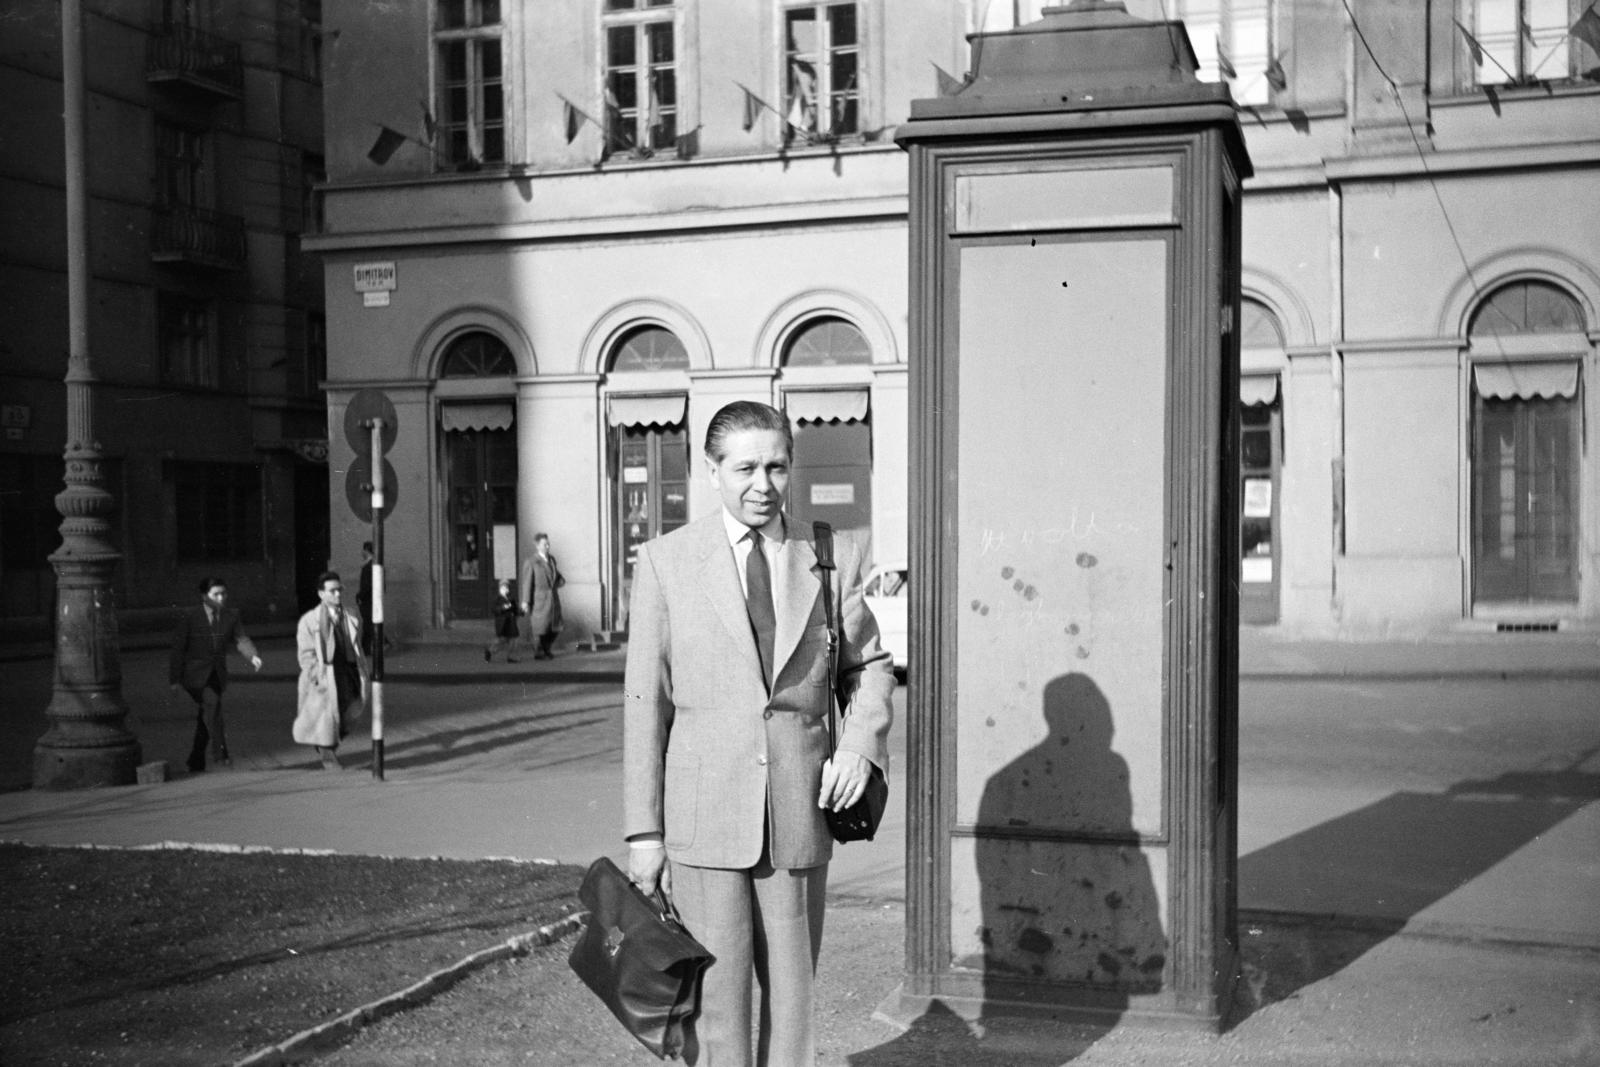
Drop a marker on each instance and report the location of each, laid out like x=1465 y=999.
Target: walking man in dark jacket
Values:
x=199 y=664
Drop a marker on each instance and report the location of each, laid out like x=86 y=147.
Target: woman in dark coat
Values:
x=541 y=601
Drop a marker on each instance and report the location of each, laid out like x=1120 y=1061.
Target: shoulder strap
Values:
x=823 y=535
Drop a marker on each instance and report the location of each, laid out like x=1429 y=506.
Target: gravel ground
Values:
x=180 y=957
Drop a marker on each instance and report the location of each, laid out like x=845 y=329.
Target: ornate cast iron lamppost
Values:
x=87 y=743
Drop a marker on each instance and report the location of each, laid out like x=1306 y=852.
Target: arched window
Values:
x=1258 y=326
x=1527 y=448
x=1527 y=307
x=477 y=355
x=650 y=348
x=827 y=342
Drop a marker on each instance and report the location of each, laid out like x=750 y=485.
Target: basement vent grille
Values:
x=1525 y=627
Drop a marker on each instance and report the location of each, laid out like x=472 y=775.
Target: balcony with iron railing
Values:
x=182 y=55
x=197 y=237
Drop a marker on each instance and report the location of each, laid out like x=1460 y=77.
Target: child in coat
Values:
x=505 y=624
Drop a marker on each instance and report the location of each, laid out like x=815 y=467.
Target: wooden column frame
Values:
x=1200 y=509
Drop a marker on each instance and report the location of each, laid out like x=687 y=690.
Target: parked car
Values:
x=885 y=594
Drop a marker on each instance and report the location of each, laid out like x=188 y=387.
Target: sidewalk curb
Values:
x=341 y=1028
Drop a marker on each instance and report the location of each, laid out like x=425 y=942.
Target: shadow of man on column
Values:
x=1067 y=905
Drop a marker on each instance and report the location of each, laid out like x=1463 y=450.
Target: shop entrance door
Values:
x=1525 y=507
x=482 y=516
x=650 y=497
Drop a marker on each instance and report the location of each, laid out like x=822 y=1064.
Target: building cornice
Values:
x=766 y=216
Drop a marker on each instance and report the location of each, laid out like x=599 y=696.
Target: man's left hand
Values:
x=844 y=780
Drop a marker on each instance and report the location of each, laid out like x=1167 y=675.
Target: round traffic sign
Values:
x=366 y=405
x=358 y=488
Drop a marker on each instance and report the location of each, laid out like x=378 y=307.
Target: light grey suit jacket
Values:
x=711 y=760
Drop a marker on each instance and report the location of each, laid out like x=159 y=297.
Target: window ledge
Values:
x=1479 y=95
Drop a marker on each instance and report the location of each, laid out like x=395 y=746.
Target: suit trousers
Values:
x=763 y=923
x=208 y=724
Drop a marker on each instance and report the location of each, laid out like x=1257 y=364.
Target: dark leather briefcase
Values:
x=635 y=955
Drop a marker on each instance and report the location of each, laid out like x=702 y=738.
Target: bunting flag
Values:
x=1275 y=75
x=949 y=84
x=653 y=105
x=573 y=117
x=1224 y=64
x=1587 y=28
x=617 y=138
x=1472 y=45
x=688 y=144
x=1526 y=29
x=752 y=107
x=386 y=144
x=429 y=126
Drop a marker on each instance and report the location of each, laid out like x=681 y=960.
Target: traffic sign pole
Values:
x=378 y=487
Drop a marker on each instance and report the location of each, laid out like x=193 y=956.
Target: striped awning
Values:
x=647 y=410
x=1258 y=390
x=1526 y=381
x=495 y=416
x=826 y=405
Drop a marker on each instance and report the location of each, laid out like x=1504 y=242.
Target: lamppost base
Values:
x=73 y=767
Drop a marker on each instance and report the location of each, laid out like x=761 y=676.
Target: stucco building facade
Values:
x=560 y=236
x=206 y=332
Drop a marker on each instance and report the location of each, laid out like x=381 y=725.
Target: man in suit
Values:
x=333 y=672
x=541 y=596
x=725 y=736
x=199 y=665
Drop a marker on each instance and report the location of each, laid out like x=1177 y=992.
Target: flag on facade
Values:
x=1472 y=45
x=1275 y=75
x=429 y=126
x=653 y=105
x=688 y=144
x=1587 y=28
x=572 y=120
x=752 y=108
x=386 y=144
x=949 y=84
x=1526 y=29
x=1224 y=64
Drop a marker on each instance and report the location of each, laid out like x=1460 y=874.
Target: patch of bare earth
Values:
x=178 y=957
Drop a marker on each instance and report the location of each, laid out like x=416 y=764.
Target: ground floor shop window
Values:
x=650 y=497
x=1260 y=460
x=1525 y=493
x=481 y=510
x=831 y=479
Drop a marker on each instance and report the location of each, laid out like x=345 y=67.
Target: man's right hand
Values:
x=647 y=867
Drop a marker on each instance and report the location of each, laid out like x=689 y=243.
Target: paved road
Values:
x=1448 y=801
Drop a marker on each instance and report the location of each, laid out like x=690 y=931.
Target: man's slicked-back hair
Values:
x=745 y=415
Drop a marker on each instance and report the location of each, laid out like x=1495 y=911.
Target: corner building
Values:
x=559 y=236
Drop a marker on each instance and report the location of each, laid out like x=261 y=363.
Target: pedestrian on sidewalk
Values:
x=726 y=764
x=505 y=624
x=364 y=597
x=541 y=599
x=333 y=672
x=199 y=665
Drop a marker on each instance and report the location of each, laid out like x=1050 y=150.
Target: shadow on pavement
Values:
x=942 y=1038
x=1365 y=875
x=447 y=745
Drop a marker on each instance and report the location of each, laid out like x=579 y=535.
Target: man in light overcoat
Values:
x=333 y=671
x=725 y=744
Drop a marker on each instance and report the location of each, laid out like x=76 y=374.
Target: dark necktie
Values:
x=341 y=639
x=758 y=602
